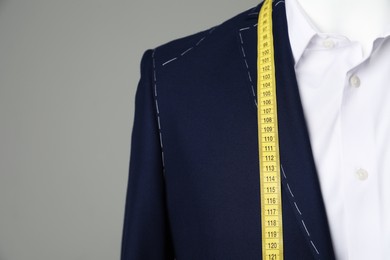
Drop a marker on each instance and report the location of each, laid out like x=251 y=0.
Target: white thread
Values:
x=296 y=206
x=304 y=225
x=163 y=160
x=212 y=29
x=279 y=3
x=249 y=75
x=289 y=189
x=158 y=111
x=161 y=144
x=165 y=63
x=200 y=41
x=254 y=94
x=299 y=211
x=245 y=28
x=189 y=49
x=243 y=51
x=247 y=66
x=284 y=174
x=253 y=10
x=315 y=248
x=241 y=38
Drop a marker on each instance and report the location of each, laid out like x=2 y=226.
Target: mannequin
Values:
x=193 y=189
x=358 y=20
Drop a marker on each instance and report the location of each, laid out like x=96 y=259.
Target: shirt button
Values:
x=354 y=81
x=362 y=174
x=328 y=43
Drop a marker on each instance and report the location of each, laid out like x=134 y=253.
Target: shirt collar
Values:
x=300 y=29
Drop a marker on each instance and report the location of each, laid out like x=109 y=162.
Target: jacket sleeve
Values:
x=145 y=231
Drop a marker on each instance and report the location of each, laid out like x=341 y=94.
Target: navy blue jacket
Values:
x=193 y=190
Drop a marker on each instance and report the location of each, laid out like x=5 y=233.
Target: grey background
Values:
x=68 y=75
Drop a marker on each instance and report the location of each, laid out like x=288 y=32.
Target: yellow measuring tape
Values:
x=270 y=187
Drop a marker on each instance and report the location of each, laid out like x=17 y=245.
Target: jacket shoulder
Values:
x=184 y=46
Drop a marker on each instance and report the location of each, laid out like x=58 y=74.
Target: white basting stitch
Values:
x=296 y=206
x=304 y=225
x=284 y=174
x=315 y=248
x=279 y=3
x=247 y=66
x=289 y=189
x=200 y=41
x=255 y=25
x=163 y=159
x=245 y=28
x=254 y=94
x=243 y=51
x=165 y=63
x=254 y=13
x=189 y=49
x=161 y=144
x=212 y=29
x=158 y=111
x=186 y=51
x=249 y=75
x=299 y=212
x=159 y=123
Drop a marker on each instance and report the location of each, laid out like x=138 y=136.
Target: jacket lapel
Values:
x=301 y=190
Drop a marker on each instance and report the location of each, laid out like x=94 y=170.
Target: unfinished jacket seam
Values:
x=300 y=214
x=158 y=111
x=188 y=50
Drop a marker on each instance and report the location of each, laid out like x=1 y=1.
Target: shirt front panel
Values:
x=346 y=102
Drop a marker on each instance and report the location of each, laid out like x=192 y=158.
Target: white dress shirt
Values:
x=346 y=102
